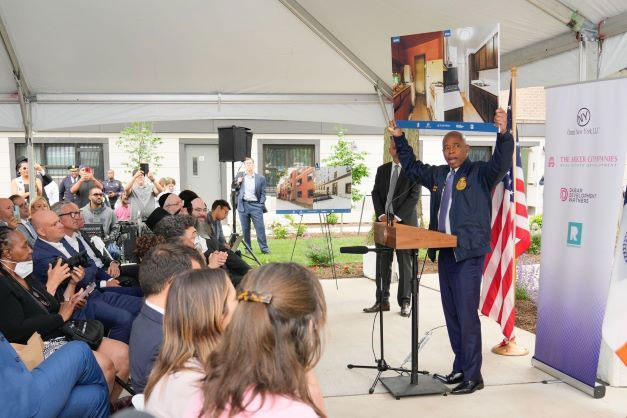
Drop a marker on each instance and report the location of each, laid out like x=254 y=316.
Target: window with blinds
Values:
x=278 y=158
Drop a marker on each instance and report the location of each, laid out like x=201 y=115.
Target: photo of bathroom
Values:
x=449 y=75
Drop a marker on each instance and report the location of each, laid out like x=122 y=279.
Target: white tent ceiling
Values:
x=115 y=61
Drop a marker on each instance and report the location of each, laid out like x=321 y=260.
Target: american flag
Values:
x=510 y=238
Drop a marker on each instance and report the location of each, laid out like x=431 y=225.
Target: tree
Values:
x=140 y=145
x=344 y=154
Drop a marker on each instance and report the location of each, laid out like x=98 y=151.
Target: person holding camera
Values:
x=142 y=194
x=28 y=306
x=114 y=309
x=85 y=183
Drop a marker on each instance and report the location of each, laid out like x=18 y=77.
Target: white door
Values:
x=202 y=172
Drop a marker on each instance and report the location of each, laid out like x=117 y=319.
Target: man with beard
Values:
x=96 y=212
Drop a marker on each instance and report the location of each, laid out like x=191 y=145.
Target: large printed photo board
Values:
x=447 y=79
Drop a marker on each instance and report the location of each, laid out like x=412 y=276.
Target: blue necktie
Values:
x=446 y=201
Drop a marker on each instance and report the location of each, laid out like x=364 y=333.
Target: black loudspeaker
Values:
x=235 y=143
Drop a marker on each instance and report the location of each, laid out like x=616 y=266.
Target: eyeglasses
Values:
x=173 y=204
x=74 y=215
x=201 y=210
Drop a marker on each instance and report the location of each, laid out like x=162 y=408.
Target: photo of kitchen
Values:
x=450 y=75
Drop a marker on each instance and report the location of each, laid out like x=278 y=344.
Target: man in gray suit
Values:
x=251 y=203
x=395 y=194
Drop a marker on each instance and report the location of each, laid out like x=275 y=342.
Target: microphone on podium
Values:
x=362 y=249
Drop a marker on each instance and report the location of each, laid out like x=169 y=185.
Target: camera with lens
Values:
x=80 y=259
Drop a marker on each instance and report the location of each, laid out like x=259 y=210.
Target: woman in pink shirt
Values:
x=199 y=306
x=123 y=211
x=264 y=364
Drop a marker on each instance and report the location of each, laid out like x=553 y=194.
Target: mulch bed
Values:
x=526 y=310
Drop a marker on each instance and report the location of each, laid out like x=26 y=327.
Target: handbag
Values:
x=31 y=353
x=89 y=331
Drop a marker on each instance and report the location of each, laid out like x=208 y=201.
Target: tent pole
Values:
x=383 y=109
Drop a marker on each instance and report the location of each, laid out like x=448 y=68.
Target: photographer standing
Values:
x=85 y=183
x=142 y=194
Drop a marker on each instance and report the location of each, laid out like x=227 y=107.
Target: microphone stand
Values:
x=382 y=365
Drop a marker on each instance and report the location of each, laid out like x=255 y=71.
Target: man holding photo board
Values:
x=461 y=205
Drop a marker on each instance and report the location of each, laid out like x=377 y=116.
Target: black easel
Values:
x=382 y=365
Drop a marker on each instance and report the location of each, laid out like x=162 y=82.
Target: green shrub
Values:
x=300 y=230
x=370 y=236
x=317 y=254
x=290 y=219
x=332 y=218
x=521 y=293
x=535 y=223
x=278 y=230
x=536 y=241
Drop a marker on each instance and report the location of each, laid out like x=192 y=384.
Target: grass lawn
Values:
x=281 y=249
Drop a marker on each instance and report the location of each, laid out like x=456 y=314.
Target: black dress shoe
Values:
x=467 y=386
x=375 y=308
x=452 y=378
x=405 y=309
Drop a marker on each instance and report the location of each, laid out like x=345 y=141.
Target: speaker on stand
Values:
x=235 y=144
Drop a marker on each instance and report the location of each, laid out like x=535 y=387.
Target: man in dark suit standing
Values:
x=251 y=203
x=394 y=194
x=461 y=204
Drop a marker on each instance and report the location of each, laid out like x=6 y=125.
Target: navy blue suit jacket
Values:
x=260 y=191
x=471 y=206
x=44 y=254
x=15 y=396
x=144 y=345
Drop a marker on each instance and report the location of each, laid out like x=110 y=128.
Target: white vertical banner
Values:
x=585 y=161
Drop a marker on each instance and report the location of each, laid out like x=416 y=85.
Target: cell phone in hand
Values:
x=16 y=212
x=87 y=291
x=144 y=167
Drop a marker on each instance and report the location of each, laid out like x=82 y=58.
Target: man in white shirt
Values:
x=251 y=201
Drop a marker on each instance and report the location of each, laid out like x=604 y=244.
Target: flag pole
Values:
x=511 y=348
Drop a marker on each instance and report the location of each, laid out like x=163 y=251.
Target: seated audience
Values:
x=123 y=210
x=28 y=306
x=199 y=306
x=265 y=366
x=172 y=204
x=96 y=212
x=236 y=267
x=67 y=384
x=156 y=273
x=104 y=272
x=25 y=227
x=219 y=211
x=145 y=243
x=116 y=311
x=7 y=217
x=181 y=230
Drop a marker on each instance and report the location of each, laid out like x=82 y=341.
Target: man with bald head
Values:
x=461 y=204
x=7 y=217
x=173 y=204
x=116 y=311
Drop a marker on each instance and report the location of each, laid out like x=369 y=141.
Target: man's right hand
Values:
x=216 y=259
x=13 y=222
x=393 y=130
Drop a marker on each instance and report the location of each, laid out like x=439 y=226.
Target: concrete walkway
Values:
x=513 y=387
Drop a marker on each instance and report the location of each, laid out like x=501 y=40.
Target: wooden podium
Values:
x=405 y=237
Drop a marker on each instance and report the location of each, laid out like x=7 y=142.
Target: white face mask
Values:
x=23 y=268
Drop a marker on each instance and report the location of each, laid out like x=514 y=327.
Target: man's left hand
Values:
x=114 y=270
x=113 y=283
x=500 y=120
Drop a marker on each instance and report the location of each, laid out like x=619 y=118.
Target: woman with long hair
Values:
x=19 y=185
x=199 y=306
x=264 y=365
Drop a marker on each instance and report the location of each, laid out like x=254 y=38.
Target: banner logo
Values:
x=551 y=162
x=563 y=194
x=573 y=237
x=583 y=116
